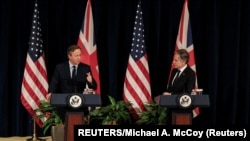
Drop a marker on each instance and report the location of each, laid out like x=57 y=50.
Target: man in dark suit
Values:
x=67 y=80
x=182 y=79
x=184 y=82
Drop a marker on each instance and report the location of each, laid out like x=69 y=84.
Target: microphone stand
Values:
x=90 y=108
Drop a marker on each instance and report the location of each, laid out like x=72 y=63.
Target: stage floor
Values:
x=17 y=138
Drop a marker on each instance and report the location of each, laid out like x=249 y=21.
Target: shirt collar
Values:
x=182 y=69
x=71 y=65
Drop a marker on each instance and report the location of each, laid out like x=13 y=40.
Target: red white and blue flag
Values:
x=185 y=41
x=35 y=82
x=88 y=46
x=137 y=81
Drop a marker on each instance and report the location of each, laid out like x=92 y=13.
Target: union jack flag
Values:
x=185 y=41
x=88 y=46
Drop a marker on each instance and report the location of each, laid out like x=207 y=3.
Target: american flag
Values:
x=35 y=82
x=137 y=81
x=87 y=43
x=185 y=41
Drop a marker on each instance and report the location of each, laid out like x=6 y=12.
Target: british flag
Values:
x=87 y=43
x=185 y=41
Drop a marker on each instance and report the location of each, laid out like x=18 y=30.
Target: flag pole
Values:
x=34 y=137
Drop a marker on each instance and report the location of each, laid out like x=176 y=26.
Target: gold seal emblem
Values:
x=185 y=100
x=75 y=101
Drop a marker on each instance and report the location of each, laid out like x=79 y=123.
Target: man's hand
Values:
x=89 y=77
x=48 y=96
x=166 y=93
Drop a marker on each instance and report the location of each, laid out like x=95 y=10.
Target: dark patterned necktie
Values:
x=73 y=76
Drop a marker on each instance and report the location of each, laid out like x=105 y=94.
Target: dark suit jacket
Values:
x=61 y=81
x=184 y=84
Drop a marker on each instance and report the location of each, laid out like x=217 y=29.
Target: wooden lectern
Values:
x=182 y=101
x=74 y=116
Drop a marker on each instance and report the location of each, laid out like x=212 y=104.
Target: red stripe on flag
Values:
x=191 y=58
x=133 y=94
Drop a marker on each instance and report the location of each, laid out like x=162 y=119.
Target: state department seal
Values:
x=184 y=100
x=75 y=101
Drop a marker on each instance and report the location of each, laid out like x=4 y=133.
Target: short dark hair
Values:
x=184 y=55
x=72 y=48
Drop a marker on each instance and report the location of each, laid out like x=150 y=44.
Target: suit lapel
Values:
x=67 y=70
x=180 y=76
x=174 y=80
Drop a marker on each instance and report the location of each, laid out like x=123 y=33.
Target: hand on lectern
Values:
x=166 y=93
x=48 y=96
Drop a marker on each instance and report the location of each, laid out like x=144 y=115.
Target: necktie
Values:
x=73 y=76
x=176 y=76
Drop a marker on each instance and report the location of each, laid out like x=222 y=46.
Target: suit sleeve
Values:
x=92 y=85
x=190 y=82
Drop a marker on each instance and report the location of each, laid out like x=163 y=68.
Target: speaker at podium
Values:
x=75 y=103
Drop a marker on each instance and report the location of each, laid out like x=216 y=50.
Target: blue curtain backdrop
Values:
x=221 y=37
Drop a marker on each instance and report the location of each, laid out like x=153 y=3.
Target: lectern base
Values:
x=72 y=118
x=181 y=118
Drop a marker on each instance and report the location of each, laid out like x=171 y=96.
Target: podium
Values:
x=183 y=102
x=74 y=116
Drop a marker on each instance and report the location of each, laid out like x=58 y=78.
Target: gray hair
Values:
x=184 y=55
